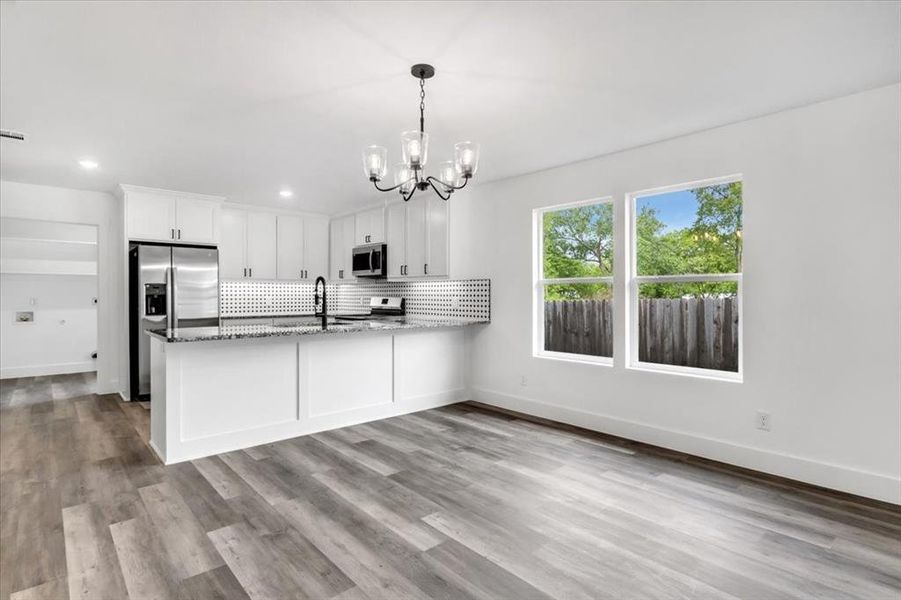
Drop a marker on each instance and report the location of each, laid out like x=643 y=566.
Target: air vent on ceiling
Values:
x=13 y=135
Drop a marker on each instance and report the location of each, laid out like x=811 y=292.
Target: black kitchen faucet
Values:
x=324 y=312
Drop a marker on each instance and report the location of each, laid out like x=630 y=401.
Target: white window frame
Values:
x=634 y=280
x=539 y=282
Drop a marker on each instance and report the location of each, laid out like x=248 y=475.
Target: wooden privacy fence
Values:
x=690 y=332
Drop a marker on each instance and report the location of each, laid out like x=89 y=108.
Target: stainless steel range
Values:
x=380 y=307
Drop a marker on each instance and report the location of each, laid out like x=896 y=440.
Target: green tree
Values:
x=578 y=242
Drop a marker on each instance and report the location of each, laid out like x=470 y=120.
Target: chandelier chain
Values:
x=421 y=104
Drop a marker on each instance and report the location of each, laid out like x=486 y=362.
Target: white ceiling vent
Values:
x=13 y=135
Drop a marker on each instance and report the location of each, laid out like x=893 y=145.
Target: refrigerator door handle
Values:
x=173 y=294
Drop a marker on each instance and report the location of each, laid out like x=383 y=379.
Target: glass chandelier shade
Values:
x=414 y=148
x=375 y=162
x=404 y=178
x=448 y=174
x=466 y=157
x=409 y=175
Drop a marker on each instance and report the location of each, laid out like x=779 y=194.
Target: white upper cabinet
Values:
x=290 y=247
x=261 y=245
x=342 y=241
x=302 y=247
x=233 y=245
x=196 y=221
x=395 y=237
x=416 y=235
x=416 y=239
x=150 y=216
x=436 y=237
x=164 y=216
x=370 y=226
x=315 y=249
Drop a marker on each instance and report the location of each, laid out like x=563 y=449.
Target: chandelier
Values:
x=409 y=175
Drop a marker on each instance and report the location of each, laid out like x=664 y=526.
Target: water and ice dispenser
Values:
x=154 y=299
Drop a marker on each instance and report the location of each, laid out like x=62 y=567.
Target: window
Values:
x=685 y=286
x=574 y=281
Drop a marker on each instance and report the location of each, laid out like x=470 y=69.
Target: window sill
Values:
x=692 y=372
x=585 y=359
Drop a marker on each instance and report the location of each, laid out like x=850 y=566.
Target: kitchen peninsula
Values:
x=217 y=389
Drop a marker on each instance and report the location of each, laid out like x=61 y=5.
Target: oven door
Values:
x=369 y=260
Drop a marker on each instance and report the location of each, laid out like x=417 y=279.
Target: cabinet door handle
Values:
x=179 y=234
x=250 y=270
x=245 y=271
x=172 y=234
x=340 y=273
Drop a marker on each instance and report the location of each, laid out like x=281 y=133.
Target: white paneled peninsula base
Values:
x=215 y=396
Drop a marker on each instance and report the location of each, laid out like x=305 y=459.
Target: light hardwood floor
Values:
x=459 y=502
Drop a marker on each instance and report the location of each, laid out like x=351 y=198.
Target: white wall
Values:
x=822 y=271
x=64 y=331
x=28 y=201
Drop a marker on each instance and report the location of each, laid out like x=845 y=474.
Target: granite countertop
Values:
x=305 y=326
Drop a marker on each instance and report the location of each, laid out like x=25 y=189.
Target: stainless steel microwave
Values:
x=370 y=260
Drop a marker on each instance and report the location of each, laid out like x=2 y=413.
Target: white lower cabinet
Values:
x=298 y=386
x=429 y=365
x=326 y=388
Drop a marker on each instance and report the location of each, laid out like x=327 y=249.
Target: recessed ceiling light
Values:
x=87 y=163
x=286 y=193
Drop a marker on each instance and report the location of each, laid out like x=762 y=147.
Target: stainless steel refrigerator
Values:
x=170 y=287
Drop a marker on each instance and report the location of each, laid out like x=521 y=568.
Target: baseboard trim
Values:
x=834 y=477
x=54 y=369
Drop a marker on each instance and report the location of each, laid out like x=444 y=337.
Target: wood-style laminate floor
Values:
x=459 y=502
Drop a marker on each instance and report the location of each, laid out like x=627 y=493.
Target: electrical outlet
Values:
x=524 y=381
x=763 y=420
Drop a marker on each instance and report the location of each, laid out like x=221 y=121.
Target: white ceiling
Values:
x=243 y=98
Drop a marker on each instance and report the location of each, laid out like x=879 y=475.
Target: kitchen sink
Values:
x=309 y=322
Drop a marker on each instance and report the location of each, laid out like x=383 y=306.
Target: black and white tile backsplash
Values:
x=461 y=298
